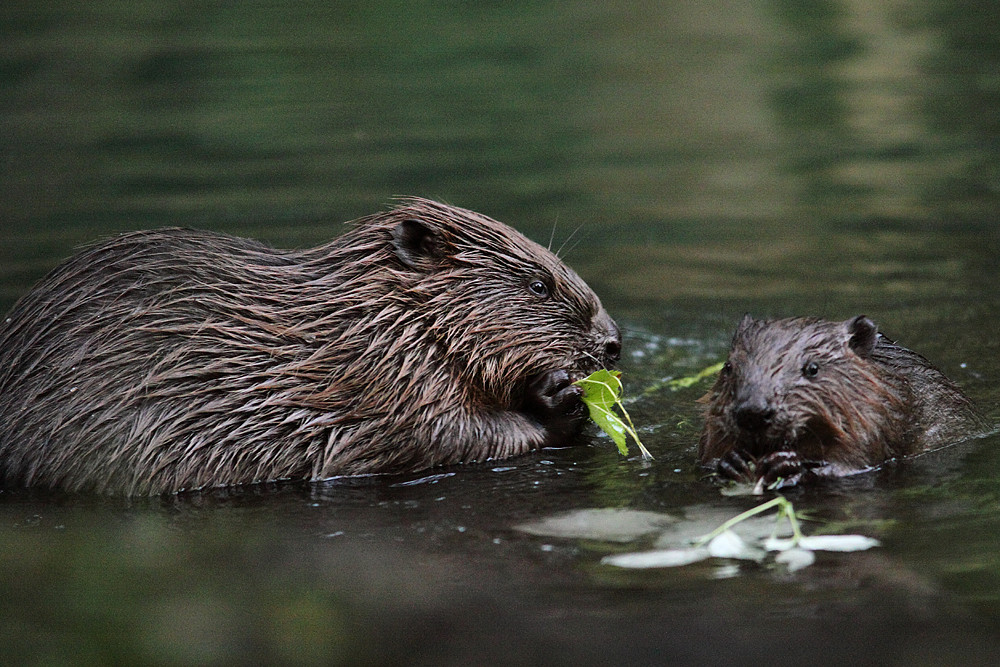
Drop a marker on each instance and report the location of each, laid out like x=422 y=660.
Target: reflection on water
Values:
x=699 y=159
x=888 y=113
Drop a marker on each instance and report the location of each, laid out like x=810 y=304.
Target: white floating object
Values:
x=657 y=558
x=838 y=542
x=606 y=525
x=795 y=559
x=731 y=545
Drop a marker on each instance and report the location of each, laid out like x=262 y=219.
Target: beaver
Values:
x=803 y=398
x=175 y=359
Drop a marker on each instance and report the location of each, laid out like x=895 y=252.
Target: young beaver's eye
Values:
x=538 y=288
x=810 y=370
x=727 y=368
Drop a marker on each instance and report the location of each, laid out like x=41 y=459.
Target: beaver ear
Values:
x=745 y=323
x=417 y=245
x=864 y=335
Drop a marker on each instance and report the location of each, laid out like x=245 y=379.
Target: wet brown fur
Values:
x=177 y=359
x=869 y=400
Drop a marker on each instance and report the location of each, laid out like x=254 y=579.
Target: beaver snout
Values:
x=609 y=340
x=753 y=415
x=612 y=350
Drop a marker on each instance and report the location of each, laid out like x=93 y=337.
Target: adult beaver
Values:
x=801 y=398
x=177 y=359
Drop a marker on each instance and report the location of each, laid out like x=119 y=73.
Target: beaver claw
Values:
x=781 y=469
x=777 y=470
x=554 y=401
x=737 y=466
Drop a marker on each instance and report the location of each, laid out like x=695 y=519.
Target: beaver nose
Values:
x=612 y=342
x=753 y=416
x=613 y=350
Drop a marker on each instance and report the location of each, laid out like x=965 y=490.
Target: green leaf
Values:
x=602 y=388
x=602 y=392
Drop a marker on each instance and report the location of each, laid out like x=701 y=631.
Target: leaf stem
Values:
x=632 y=432
x=785 y=510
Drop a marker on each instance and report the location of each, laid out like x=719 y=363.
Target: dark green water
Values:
x=700 y=160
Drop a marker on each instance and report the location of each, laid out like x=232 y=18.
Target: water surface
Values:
x=695 y=163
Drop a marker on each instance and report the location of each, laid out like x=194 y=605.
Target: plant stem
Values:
x=784 y=509
x=632 y=432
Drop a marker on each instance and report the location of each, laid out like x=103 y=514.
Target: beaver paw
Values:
x=554 y=401
x=782 y=469
x=736 y=465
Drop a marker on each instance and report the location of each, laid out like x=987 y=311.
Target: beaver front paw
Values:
x=774 y=471
x=736 y=465
x=784 y=468
x=554 y=401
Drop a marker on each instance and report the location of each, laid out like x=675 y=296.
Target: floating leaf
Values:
x=795 y=559
x=838 y=542
x=657 y=558
x=730 y=545
x=608 y=525
x=602 y=392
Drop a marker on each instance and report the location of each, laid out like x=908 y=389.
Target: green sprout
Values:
x=691 y=380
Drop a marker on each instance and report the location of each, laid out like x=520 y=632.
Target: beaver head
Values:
x=501 y=308
x=811 y=387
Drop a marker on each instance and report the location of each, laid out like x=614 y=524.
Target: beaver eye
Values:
x=538 y=288
x=810 y=370
x=727 y=368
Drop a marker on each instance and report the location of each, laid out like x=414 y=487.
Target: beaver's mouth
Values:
x=774 y=440
x=577 y=374
x=759 y=444
x=589 y=364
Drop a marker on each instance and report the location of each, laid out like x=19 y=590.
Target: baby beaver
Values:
x=801 y=398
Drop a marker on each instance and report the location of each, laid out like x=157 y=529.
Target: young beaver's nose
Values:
x=753 y=416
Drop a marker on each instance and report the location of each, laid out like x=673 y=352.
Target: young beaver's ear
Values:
x=745 y=323
x=417 y=245
x=864 y=335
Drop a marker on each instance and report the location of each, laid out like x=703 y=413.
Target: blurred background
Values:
x=640 y=127
x=696 y=160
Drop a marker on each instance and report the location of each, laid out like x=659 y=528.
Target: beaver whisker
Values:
x=562 y=247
